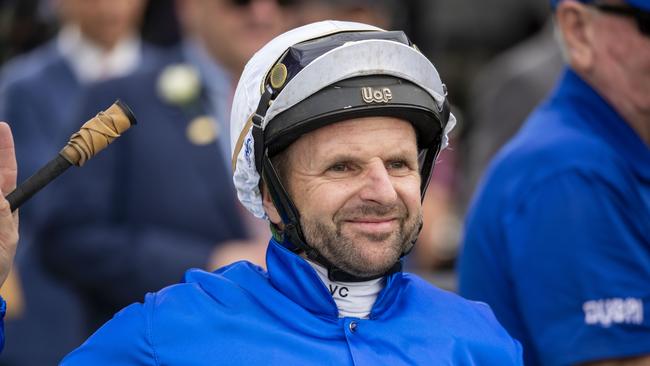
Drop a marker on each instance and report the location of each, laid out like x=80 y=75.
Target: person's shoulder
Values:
x=553 y=146
x=223 y=287
x=450 y=303
x=471 y=322
x=202 y=298
x=563 y=131
x=551 y=143
x=31 y=61
x=30 y=67
x=435 y=294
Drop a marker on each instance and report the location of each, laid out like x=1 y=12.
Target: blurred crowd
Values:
x=161 y=200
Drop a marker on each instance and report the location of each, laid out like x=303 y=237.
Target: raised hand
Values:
x=8 y=220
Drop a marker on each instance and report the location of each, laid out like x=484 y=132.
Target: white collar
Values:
x=91 y=62
x=353 y=299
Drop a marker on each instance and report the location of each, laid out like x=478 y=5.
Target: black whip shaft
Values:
x=93 y=137
x=36 y=182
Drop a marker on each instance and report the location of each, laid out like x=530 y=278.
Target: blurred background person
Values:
x=558 y=236
x=39 y=94
x=161 y=200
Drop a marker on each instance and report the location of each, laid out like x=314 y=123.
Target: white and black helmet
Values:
x=320 y=74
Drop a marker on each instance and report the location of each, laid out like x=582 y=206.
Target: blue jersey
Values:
x=242 y=315
x=557 y=239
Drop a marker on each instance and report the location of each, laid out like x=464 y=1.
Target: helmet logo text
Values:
x=372 y=95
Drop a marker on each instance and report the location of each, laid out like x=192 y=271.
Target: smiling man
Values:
x=335 y=130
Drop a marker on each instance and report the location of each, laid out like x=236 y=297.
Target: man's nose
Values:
x=378 y=185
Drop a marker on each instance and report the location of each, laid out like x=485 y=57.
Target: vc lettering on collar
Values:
x=338 y=291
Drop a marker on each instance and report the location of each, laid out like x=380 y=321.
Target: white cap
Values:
x=366 y=57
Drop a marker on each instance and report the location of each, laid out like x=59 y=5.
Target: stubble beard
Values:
x=343 y=250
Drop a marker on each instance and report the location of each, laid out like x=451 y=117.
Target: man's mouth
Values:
x=373 y=224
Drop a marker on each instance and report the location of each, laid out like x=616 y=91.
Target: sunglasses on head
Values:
x=642 y=17
x=245 y=3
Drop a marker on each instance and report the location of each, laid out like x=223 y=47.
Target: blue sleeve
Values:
x=123 y=340
x=580 y=257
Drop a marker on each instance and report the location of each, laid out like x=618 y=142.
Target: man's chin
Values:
x=371 y=264
x=370 y=269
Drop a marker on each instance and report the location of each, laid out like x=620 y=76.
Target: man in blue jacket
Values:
x=335 y=130
x=558 y=237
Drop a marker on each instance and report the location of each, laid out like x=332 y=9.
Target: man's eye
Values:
x=397 y=165
x=339 y=167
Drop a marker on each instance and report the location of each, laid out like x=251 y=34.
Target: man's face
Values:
x=232 y=30
x=622 y=61
x=356 y=185
x=104 y=21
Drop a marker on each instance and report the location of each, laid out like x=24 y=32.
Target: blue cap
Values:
x=640 y=4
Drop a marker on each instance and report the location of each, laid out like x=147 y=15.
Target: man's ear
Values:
x=575 y=22
x=269 y=207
